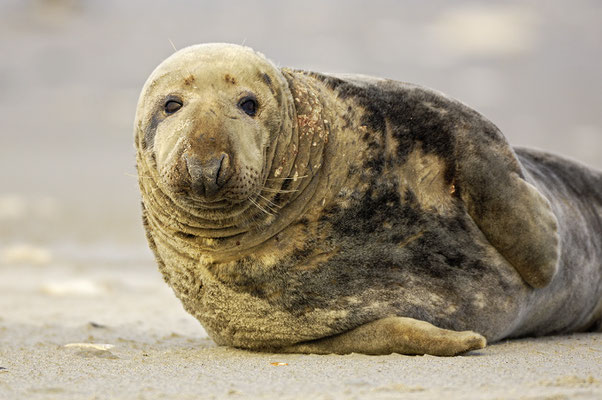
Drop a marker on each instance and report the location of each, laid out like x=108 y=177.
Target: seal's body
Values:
x=301 y=212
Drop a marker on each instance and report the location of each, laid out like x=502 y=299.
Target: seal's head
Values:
x=205 y=122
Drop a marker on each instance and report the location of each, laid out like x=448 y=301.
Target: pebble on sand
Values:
x=77 y=287
x=25 y=254
x=91 y=346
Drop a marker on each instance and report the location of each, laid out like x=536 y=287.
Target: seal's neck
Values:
x=296 y=159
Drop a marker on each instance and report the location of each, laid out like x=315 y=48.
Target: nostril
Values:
x=223 y=174
x=194 y=167
x=219 y=168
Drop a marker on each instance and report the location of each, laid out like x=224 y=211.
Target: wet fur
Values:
x=399 y=226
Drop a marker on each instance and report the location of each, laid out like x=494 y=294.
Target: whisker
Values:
x=187 y=70
x=172 y=45
x=273 y=206
x=270 y=190
x=284 y=179
x=258 y=206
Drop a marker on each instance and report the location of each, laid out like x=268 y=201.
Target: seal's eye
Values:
x=248 y=105
x=171 y=106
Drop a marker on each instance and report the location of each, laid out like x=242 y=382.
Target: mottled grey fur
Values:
x=440 y=221
x=451 y=259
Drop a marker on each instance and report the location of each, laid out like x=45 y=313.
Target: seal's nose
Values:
x=209 y=176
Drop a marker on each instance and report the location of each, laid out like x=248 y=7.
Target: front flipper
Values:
x=513 y=215
x=394 y=335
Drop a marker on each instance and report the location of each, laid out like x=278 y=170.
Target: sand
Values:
x=84 y=313
x=112 y=330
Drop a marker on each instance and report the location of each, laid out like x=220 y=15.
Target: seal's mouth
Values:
x=213 y=189
x=203 y=203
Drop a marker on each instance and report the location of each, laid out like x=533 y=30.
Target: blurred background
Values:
x=71 y=72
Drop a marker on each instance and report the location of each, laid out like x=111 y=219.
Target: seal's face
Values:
x=206 y=118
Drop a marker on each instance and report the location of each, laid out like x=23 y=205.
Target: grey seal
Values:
x=295 y=211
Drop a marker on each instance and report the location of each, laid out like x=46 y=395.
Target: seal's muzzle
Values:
x=208 y=177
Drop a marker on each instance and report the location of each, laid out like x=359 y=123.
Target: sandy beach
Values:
x=84 y=313
x=115 y=331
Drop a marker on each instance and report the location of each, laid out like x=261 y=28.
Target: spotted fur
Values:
x=384 y=209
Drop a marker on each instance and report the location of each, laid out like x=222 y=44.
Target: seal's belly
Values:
x=297 y=299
